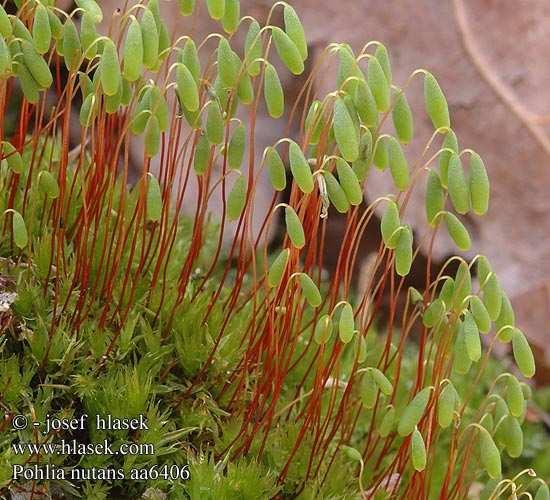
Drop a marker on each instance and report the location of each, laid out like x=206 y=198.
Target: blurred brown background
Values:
x=491 y=59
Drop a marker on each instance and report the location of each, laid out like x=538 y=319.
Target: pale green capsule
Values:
x=450 y=142
x=231 y=16
x=214 y=123
x=480 y=314
x=275 y=169
x=349 y=182
x=399 y=166
x=418 y=451
x=228 y=69
x=506 y=317
x=471 y=337
x=186 y=88
x=388 y=423
x=202 y=155
x=140 y=117
x=245 y=90
x=295 y=30
x=513 y=436
x=253 y=49
x=313 y=124
x=523 y=354
x=489 y=454
x=323 y=330
x=461 y=362
x=301 y=172
x=346 y=324
x=152 y=136
x=310 y=290
x=390 y=223
x=154 y=199
x=133 y=51
x=88 y=35
x=237 y=144
x=189 y=57
x=294 y=228
x=382 y=381
x=435 y=197
x=483 y=269
x=19 y=230
x=109 y=68
x=41 y=30
x=457 y=232
x=273 y=92
x=5 y=24
x=378 y=84
x=159 y=106
x=20 y=30
x=414 y=295
x=543 y=492
x=459 y=191
x=360 y=349
x=56 y=26
x=381 y=154
x=345 y=131
x=164 y=43
x=369 y=391
x=403 y=252
x=47 y=184
x=336 y=194
x=365 y=104
x=287 y=51
x=413 y=412
x=88 y=110
x=352 y=453
x=278 y=268
x=447 y=291
x=216 y=8
x=112 y=102
x=28 y=83
x=403 y=119
x=91 y=8
x=434 y=313
x=435 y=102
x=72 y=49
x=462 y=286
x=479 y=185
x=236 y=200
x=514 y=396
x=150 y=37
x=348 y=70
x=492 y=296
x=446 y=403
x=362 y=165
x=12 y=157
x=381 y=53
x=186 y=7
x=5 y=59
x=38 y=68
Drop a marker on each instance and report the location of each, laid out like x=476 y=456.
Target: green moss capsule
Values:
x=404 y=252
x=413 y=412
x=154 y=199
x=88 y=110
x=88 y=35
x=235 y=152
x=20 y=30
x=228 y=67
x=381 y=53
x=245 y=90
x=336 y=194
x=19 y=230
x=41 y=30
x=365 y=104
x=323 y=330
x=399 y=166
x=480 y=314
x=202 y=155
x=483 y=269
x=12 y=157
x=459 y=191
x=463 y=286
x=310 y=290
x=348 y=70
x=231 y=16
x=523 y=354
x=152 y=136
x=403 y=119
x=435 y=197
x=505 y=318
x=295 y=30
x=489 y=454
x=273 y=92
x=186 y=7
x=492 y=296
x=91 y=8
x=186 y=88
x=435 y=102
x=313 y=124
x=381 y=154
x=388 y=423
x=277 y=268
x=543 y=492
x=479 y=185
x=390 y=223
x=28 y=83
x=434 y=313
x=5 y=60
x=458 y=232
x=446 y=404
x=513 y=436
x=72 y=49
x=150 y=37
x=352 y=453
x=133 y=51
x=5 y=24
x=346 y=324
x=382 y=381
x=514 y=396
x=236 y=200
x=301 y=172
x=56 y=26
x=189 y=57
x=349 y=182
x=294 y=228
x=287 y=51
x=214 y=123
x=418 y=451
x=253 y=49
x=461 y=362
x=275 y=169
x=38 y=68
x=450 y=142
x=109 y=68
x=216 y=8
x=447 y=291
x=378 y=84
x=345 y=131
x=369 y=391
x=362 y=165
x=471 y=337
x=47 y=184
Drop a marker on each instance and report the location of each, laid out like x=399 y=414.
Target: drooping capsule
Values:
x=323 y=330
x=489 y=454
x=449 y=143
x=523 y=354
x=446 y=403
x=48 y=185
x=381 y=155
x=150 y=37
x=471 y=337
x=216 y=8
x=514 y=396
x=133 y=51
x=189 y=57
x=253 y=49
x=345 y=132
x=404 y=252
x=231 y=16
x=418 y=451
x=12 y=157
x=35 y=63
x=88 y=35
x=492 y=296
x=390 y=223
x=287 y=51
x=403 y=119
x=154 y=199
x=202 y=155
x=346 y=324
x=28 y=83
x=480 y=314
x=310 y=290
x=275 y=169
x=152 y=136
x=435 y=197
x=277 y=268
x=459 y=191
x=399 y=166
x=236 y=200
x=413 y=412
x=186 y=7
x=435 y=102
x=434 y=313
x=457 y=231
x=382 y=381
x=365 y=104
x=186 y=88
x=228 y=69
x=273 y=92
x=91 y=8
x=72 y=49
x=388 y=423
x=294 y=228
x=378 y=84
x=235 y=152
x=109 y=68
x=301 y=171
x=41 y=30
x=479 y=185
x=295 y=30
x=214 y=123
x=19 y=230
x=5 y=24
x=349 y=182
x=336 y=194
